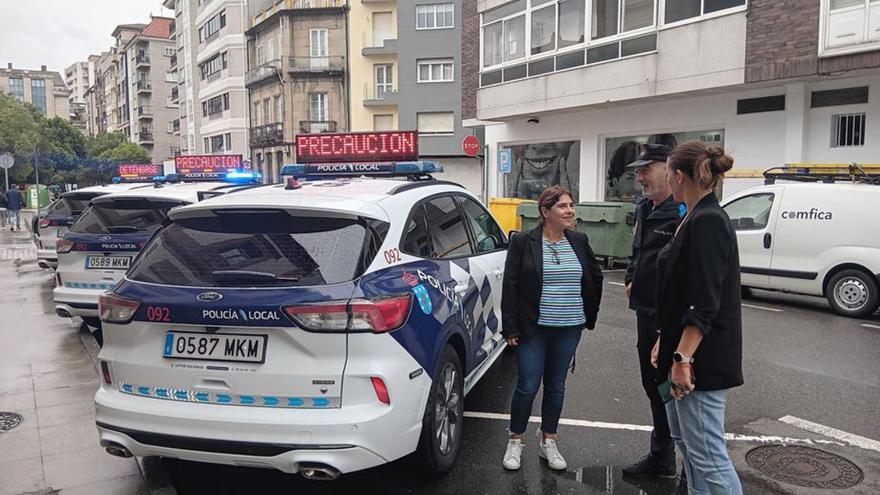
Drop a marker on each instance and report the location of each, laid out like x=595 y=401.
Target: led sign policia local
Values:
x=207 y=166
x=385 y=146
x=133 y=172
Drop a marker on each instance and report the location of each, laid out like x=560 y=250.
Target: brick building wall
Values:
x=470 y=58
x=782 y=42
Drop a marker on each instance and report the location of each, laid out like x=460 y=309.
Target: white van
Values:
x=814 y=238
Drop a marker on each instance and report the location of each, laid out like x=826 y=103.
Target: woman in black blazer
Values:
x=551 y=291
x=698 y=310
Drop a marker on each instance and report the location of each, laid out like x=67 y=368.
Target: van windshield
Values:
x=259 y=248
x=123 y=216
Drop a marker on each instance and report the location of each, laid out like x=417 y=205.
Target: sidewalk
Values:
x=48 y=376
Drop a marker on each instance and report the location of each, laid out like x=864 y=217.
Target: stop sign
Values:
x=470 y=145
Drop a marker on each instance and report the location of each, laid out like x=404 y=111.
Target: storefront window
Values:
x=538 y=166
x=620 y=184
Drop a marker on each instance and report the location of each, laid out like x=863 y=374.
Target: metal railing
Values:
x=380 y=92
x=317 y=4
x=142 y=59
x=378 y=40
x=316 y=126
x=145 y=136
x=267 y=135
x=145 y=110
x=144 y=85
x=334 y=63
x=265 y=71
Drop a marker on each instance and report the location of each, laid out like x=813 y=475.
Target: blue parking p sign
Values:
x=504 y=160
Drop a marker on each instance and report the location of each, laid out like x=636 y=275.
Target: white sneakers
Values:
x=548 y=451
x=513 y=454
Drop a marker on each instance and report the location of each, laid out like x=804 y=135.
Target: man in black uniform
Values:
x=656 y=220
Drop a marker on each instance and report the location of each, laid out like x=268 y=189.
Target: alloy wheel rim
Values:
x=851 y=294
x=446 y=410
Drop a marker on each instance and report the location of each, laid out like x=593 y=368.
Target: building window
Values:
x=850 y=23
x=270 y=48
x=436 y=123
x=679 y=10
x=211 y=69
x=219 y=143
x=169 y=51
x=435 y=16
x=279 y=111
x=16 y=88
x=847 y=130
x=383 y=122
x=38 y=94
x=611 y=17
x=211 y=29
x=384 y=80
x=256 y=113
x=435 y=70
x=318 y=111
x=214 y=107
x=319 y=49
x=260 y=60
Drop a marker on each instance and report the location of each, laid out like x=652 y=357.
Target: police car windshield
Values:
x=123 y=216
x=259 y=248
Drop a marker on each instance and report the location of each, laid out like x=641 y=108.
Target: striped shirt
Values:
x=561 y=302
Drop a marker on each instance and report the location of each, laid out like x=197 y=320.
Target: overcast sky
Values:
x=57 y=33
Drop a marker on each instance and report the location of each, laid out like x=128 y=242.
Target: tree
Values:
x=60 y=137
x=126 y=152
x=104 y=142
x=19 y=136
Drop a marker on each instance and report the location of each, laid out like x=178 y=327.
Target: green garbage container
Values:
x=35 y=193
x=528 y=215
x=609 y=225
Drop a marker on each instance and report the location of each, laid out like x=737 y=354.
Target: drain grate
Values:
x=804 y=466
x=8 y=421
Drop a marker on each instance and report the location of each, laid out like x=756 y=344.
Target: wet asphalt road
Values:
x=800 y=360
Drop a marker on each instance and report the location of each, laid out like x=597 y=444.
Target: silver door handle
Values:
x=461 y=288
x=498 y=273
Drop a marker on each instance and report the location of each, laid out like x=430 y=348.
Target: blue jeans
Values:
x=14 y=218
x=547 y=353
x=697 y=426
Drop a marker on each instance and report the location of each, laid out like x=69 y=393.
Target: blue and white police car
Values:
x=94 y=254
x=62 y=213
x=320 y=327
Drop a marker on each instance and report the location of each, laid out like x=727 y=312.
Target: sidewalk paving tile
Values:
x=15 y=444
x=23 y=401
x=21 y=475
x=80 y=467
x=16 y=386
x=67 y=437
x=65 y=395
x=127 y=485
x=58 y=379
x=67 y=413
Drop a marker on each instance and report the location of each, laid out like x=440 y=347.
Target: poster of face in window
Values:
x=538 y=166
x=620 y=183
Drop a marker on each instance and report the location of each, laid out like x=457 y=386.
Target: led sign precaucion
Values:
x=207 y=165
x=390 y=146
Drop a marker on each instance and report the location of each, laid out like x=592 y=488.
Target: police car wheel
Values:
x=441 y=427
x=852 y=293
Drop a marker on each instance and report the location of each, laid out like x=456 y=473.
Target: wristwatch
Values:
x=680 y=358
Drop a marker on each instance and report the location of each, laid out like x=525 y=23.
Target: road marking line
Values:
x=622 y=426
x=850 y=438
x=868 y=325
x=763 y=308
x=619 y=284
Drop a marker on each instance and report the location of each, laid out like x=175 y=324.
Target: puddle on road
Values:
x=610 y=479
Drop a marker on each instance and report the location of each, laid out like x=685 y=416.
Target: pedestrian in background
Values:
x=551 y=291
x=15 y=202
x=656 y=218
x=4 y=203
x=700 y=319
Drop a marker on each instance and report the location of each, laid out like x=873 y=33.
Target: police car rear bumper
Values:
x=77 y=302
x=49 y=255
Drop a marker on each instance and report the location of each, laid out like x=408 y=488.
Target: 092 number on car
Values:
x=215 y=347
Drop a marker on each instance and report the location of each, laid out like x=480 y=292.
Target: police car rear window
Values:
x=259 y=249
x=123 y=216
x=68 y=206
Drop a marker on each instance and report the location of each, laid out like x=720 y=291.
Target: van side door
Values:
x=754 y=219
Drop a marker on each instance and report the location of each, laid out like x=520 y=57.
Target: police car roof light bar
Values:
x=234 y=177
x=137 y=180
x=825 y=173
x=415 y=170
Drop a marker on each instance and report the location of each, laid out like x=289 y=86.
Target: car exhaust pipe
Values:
x=115 y=449
x=319 y=472
x=44 y=264
x=63 y=313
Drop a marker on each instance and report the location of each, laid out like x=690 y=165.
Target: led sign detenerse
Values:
x=359 y=147
x=139 y=171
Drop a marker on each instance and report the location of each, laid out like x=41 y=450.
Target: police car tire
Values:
x=433 y=459
x=868 y=284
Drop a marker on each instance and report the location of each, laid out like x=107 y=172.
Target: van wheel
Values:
x=443 y=421
x=852 y=293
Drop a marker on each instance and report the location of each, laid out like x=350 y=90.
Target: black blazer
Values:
x=699 y=285
x=524 y=282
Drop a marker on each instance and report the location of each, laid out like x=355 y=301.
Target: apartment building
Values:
x=43 y=88
x=209 y=65
x=567 y=90
x=113 y=83
x=296 y=76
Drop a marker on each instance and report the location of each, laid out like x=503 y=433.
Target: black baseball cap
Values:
x=651 y=153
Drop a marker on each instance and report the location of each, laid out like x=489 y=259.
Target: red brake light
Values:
x=116 y=309
x=44 y=222
x=373 y=315
x=63 y=246
x=105 y=371
x=381 y=390
x=320 y=317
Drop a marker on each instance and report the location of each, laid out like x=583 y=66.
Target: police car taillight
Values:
x=370 y=315
x=44 y=222
x=63 y=246
x=116 y=309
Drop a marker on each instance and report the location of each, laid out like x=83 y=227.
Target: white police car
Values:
x=62 y=213
x=320 y=327
x=101 y=244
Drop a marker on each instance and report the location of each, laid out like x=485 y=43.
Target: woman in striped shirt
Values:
x=551 y=292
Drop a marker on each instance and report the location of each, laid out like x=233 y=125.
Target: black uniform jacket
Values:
x=524 y=281
x=699 y=285
x=653 y=231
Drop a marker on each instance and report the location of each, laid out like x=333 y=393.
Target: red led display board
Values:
x=207 y=165
x=139 y=171
x=385 y=146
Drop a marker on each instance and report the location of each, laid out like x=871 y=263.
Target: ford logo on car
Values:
x=209 y=296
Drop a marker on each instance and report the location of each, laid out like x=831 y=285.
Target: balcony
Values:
x=173 y=61
x=142 y=59
x=171 y=102
x=145 y=111
x=144 y=86
x=145 y=136
x=261 y=73
x=378 y=96
x=316 y=126
x=317 y=4
x=379 y=44
x=267 y=135
x=175 y=95
x=334 y=65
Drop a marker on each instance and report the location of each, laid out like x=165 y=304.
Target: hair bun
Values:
x=719 y=160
